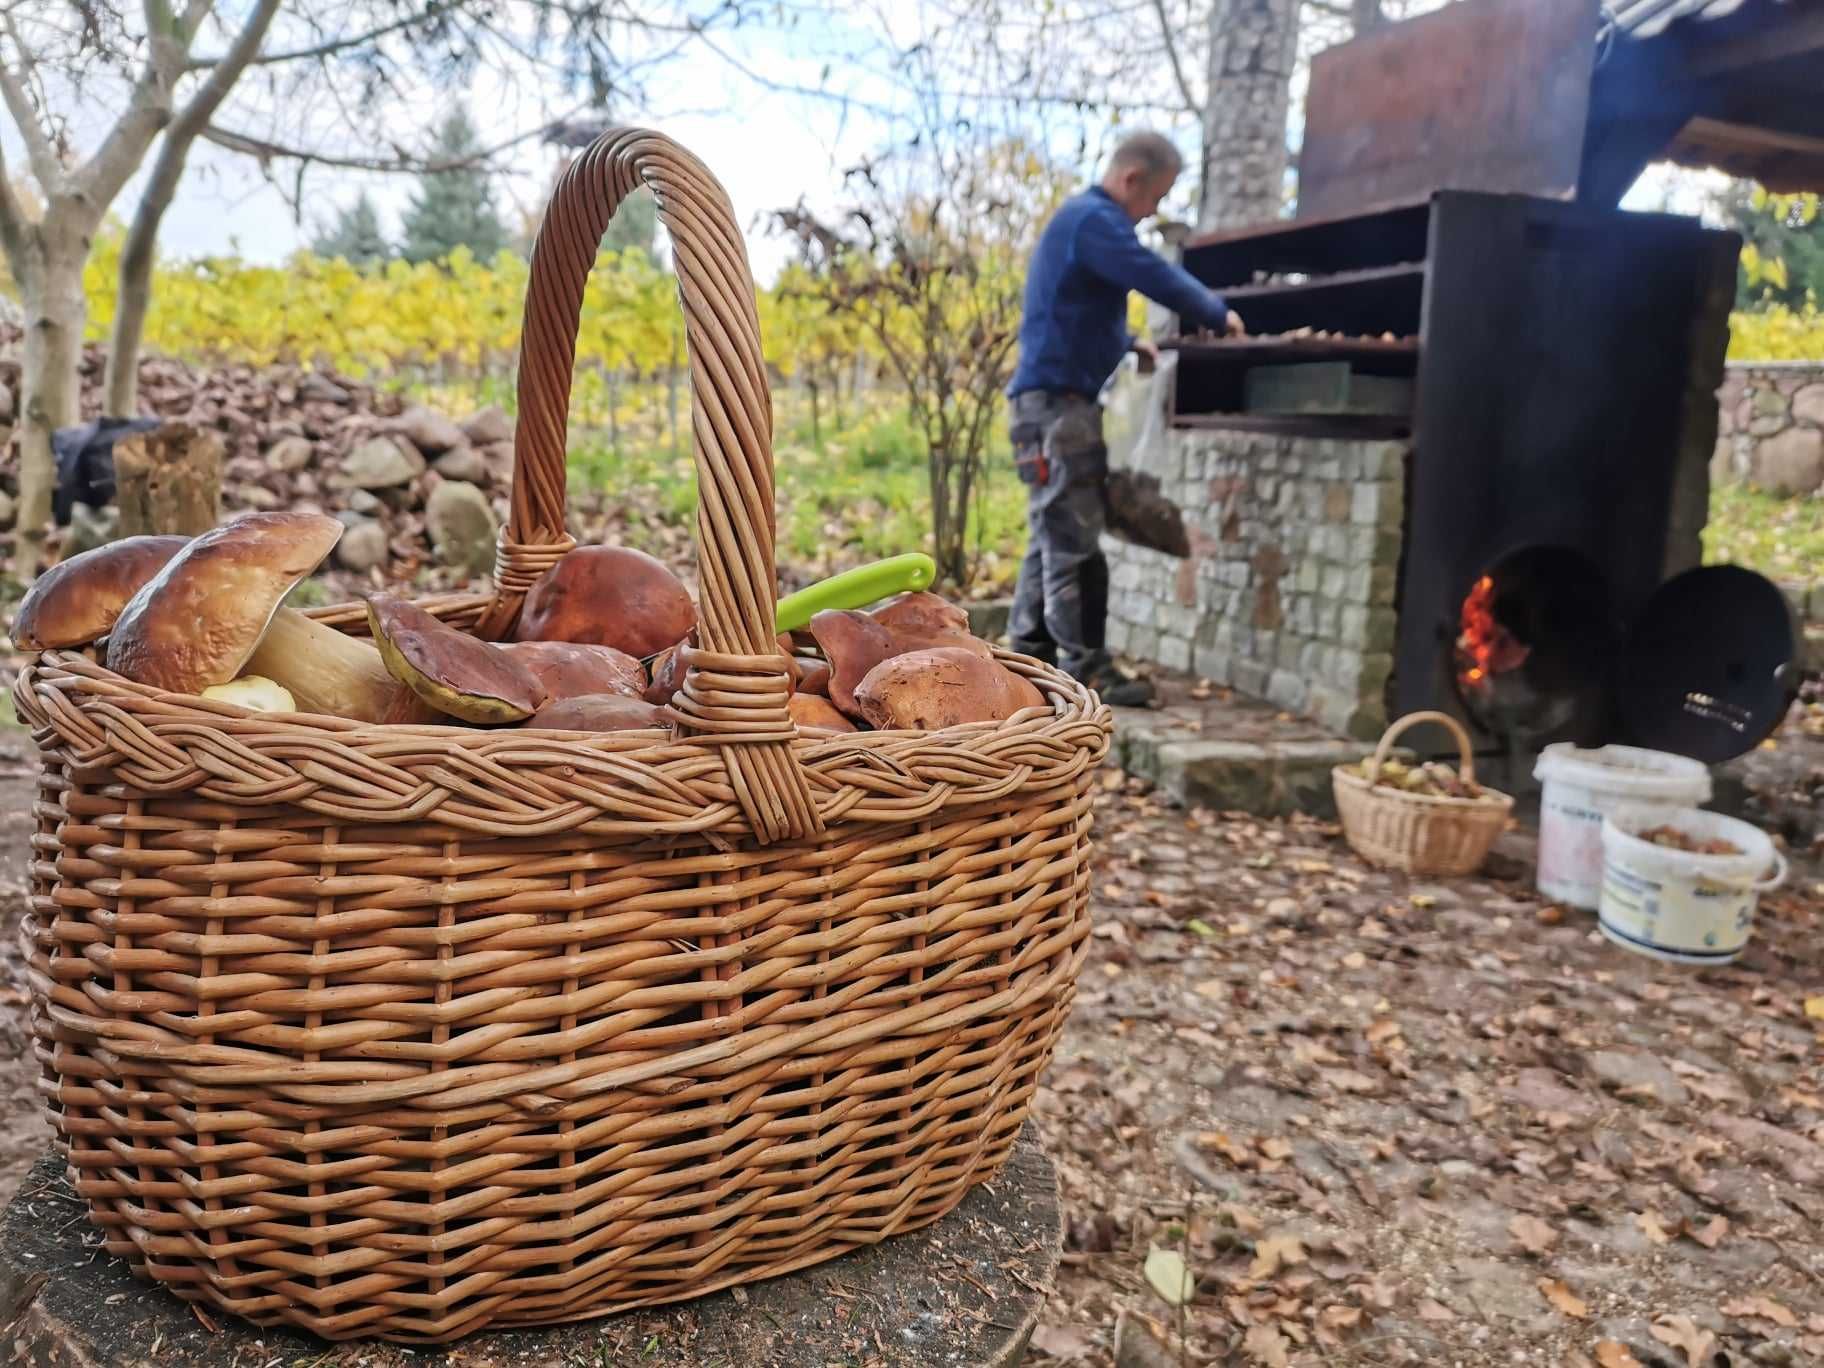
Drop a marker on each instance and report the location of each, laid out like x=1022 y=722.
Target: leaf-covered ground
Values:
x=1386 y=1122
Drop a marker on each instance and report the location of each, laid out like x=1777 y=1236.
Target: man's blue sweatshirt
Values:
x=1073 y=332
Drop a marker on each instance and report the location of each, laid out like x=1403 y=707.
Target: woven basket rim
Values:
x=1080 y=703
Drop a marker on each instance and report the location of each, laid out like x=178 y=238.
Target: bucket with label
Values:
x=1680 y=884
x=1582 y=786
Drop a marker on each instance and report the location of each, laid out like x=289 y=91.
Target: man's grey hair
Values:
x=1152 y=153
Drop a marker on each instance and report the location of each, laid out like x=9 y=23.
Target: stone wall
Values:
x=1771 y=426
x=1288 y=593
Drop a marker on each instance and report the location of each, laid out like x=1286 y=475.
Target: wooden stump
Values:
x=965 y=1290
x=168 y=480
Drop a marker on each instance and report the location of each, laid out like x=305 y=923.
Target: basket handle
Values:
x=737 y=684
x=1466 y=763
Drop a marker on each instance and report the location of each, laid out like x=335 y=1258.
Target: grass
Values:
x=852 y=493
x=1779 y=535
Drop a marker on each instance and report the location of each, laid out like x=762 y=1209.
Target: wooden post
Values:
x=168 y=480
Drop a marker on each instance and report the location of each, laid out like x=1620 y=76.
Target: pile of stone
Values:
x=416 y=489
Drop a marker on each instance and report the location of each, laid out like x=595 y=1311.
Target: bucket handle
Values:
x=1466 y=762
x=1772 y=881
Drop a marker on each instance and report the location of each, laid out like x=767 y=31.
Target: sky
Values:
x=768 y=147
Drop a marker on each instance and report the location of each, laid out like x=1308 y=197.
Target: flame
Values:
x=1484 y=647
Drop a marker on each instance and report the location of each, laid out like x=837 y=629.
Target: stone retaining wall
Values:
x=1771 y=426
x=1288 y=593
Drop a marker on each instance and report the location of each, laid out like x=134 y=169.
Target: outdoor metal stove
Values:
x=1560 y=360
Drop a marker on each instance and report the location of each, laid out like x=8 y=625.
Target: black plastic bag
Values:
x=85 y=463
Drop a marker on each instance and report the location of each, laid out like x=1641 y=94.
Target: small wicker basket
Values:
x=1416 y=832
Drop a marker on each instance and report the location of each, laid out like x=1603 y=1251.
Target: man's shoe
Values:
x=1118 y=690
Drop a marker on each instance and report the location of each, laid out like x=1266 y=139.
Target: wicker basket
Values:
x=1417 y=832
x=407 y=1031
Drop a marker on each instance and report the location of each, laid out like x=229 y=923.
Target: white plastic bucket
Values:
x=1580 y=788
x=1676 y=904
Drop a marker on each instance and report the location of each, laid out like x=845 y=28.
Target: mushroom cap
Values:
x=455 y=673
x=942 y=687
x=815 y=712
x=813 y=675
x=195 y=623
x=922 y=613
x=608 y=596
x=76 y=601
x=668 y=672
x=600 y=713
x=853 y=643
x=256 y=693
x=571 y=669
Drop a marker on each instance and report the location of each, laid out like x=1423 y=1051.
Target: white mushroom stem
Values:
x=332 y=673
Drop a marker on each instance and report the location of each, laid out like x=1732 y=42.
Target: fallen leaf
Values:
x=1435 y=1311
x=1200 y=926
x=1274 y=1253
x=1219 y=1141
x=1170 y=1278
x=1423 y=901
x=1814 y=1008
x=1275 y=1148
x=1681 y=1332
x=1384 y=1029
x=1244 y=1220
x=1564 y=1299
x=1063 y=1342
x=1761 y=1308
x=1611 y=1354
x=1709 y=1235
x=1649 y=1223
x=1534 y=1235
x=1550 y=916
x=1264 y=1344
x=1340 y=1317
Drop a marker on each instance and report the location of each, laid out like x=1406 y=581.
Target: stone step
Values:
x=1265 y=775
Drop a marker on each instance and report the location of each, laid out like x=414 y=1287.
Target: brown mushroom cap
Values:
x=813 y=675
x=817 y=713
x=600 y=713
x=195 y=623
x=76 y=601
x=942 y=687
x=608 y=596
x=570 y=669
x=853 y=643
x=452 y=671
x=922 y=613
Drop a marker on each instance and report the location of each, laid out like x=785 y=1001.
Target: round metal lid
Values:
x=1709 y=670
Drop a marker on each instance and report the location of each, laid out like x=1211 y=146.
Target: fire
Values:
x=1484 y=647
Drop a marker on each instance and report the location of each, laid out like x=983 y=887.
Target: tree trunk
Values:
x=1366 y=14
x=120 y=388
x=1252 y=45
x=168 y=481
x=55 y=310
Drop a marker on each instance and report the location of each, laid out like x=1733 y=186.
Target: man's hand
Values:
x=1148 y=352
x=1234 y=327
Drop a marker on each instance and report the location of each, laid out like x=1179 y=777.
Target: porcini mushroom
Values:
x=214 y=612
x=817 y=714
x=195 y=622
x=76 y=601
x=255 y=693
x=452 y=671
x=570 y=669
x=608 y=596
x=853 y=643
x=942 y=687
x=600 y=713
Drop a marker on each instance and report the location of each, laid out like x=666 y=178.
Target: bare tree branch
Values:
x=1191 y=103
x=38 y=150
x=14 y=226
x=332 y=47
x=264 y=150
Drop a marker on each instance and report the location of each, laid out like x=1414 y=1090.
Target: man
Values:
x=1073 y=334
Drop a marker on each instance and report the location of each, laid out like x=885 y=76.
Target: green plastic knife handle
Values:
x=855 y=588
